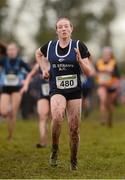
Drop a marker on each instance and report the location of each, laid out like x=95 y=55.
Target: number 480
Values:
x=67 y=83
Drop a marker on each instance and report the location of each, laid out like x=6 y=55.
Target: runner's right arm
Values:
x=41 y=58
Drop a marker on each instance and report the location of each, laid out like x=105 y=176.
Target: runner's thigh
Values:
x=43 y=106
x=16 y=100
x=74 y=109
x=4 y=103
x=58 y=106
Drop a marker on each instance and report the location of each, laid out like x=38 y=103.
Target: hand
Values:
x=45 y=74
x=23 y=89
x=78 y=55
x=38 y=56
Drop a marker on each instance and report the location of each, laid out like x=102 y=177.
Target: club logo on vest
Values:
x=61 y=60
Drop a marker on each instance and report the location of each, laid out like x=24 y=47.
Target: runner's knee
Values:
x=57 y=114
x=4 y=111
x=74 y=128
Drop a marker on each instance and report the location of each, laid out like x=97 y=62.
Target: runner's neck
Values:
x=64 y=42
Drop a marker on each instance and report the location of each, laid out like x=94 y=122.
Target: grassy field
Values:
x=101 y=152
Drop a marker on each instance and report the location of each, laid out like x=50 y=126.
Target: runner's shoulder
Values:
x=83 y=49
x=43 y=48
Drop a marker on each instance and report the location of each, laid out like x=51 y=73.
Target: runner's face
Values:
x=12 y=51
x=106 y=55
x=64 y=29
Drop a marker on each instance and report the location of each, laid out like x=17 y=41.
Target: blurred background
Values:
x=32 y=22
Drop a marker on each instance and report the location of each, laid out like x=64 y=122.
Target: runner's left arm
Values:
x=83 y=55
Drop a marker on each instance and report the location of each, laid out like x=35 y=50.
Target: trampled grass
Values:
x=101 y=151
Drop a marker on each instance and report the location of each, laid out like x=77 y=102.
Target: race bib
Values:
x=103 y=77
x=11 y=80
x=45 y=89
x=66 y=81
